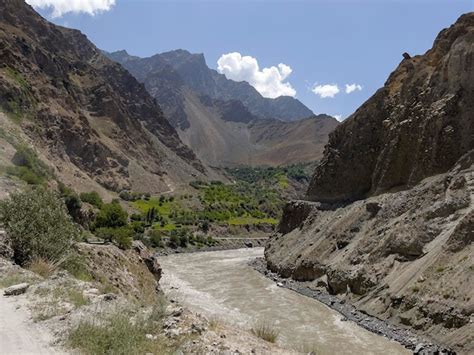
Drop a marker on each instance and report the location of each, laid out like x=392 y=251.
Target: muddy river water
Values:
x=222 y=286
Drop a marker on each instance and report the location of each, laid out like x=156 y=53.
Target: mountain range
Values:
x=227 y=122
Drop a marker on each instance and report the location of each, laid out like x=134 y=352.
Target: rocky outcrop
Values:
x=295 y=213
x=419 y=124
x=133 y=273
x=390 y=227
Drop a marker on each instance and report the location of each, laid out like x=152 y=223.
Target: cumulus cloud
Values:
x=353 y=87
x=269 y=82
x=327 y=90
x=339 y=118
x=61 y=7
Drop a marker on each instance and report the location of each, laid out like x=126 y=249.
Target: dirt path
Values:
x=19 y=335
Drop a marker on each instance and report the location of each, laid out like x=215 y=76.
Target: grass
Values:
x=239 y=221
x=265 y=331
x=42 y=267
x=166 y=228
x=14 y=278
x=164 y=208
x=117 y=334
x=214 y=323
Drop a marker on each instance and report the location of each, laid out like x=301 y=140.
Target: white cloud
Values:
x=339 y=118
x=327 y=90
x=353 y=87
x=61 y=7
x=269 y=82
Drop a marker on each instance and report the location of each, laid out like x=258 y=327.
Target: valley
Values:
x=154 y=205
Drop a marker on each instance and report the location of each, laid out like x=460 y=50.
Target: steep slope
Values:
x=214 y=115
x=87 y=114
x=419 y=124
x=405 y=253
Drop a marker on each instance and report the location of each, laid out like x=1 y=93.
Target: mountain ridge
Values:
x=84 y=110
x=213 y=120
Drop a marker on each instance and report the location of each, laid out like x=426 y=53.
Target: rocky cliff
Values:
x=419 y=124
x=403 y=250
x=86 y=113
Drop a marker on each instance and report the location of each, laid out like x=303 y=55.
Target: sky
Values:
x=330 y=54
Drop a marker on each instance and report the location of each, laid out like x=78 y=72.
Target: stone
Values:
x=16 y=290
x=151 y=337
x=177 y=312
x=373 y=208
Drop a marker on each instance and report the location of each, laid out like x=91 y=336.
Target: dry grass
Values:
x=214 y=323
x=42 y=267
x=15 y=278
x=266 y=331
x=117 y=334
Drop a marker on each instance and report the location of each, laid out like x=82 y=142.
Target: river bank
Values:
x=222 y=286
x=373 y=324
x=228 y=243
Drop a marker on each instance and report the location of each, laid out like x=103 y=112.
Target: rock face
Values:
x=419 y=124
x=402 y=250
x=227 y=122
x=135 y=272
x=84 y=111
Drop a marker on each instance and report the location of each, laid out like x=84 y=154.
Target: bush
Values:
x=92 y=198
x=183 y=240
x=37 y=225
x=121 y=236
x=111 y=215
x=156 y=240
x=29 y=167
x=174 y=240
x=72 y=201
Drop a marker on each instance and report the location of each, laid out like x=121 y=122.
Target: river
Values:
x=221 y=285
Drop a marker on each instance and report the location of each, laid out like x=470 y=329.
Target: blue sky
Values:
x=323 y=42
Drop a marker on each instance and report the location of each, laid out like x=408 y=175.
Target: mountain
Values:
x=195 y=73
x=85 y=114
x=227 y=122
x=390 y=221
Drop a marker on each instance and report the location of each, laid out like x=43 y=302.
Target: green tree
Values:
x=93 y=198
x=111 y=215
x=38 y=225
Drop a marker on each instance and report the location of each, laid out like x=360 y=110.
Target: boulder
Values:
x=16 y=290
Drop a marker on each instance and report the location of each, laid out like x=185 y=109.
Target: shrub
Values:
x=174 y=240
x=92 y=198
x=266 y=331
x=122 y=236
x=72 y=201
x=29 y=167
x=156 y=240
x=183 y=240
x=204 y=227
x=111 y=215
x=37 y=225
